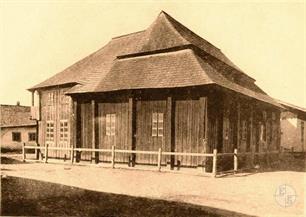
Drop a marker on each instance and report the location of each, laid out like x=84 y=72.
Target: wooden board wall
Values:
x=86 y=129
x=56 y=109
x=144 y=138
x=120 y=139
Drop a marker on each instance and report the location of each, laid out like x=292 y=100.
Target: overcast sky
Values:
x=266 y=40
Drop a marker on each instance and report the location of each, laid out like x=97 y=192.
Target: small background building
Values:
x=16 y=127
x=293 y=131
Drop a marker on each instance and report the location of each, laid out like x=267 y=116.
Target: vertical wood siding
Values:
x=144 y=138
x=187 y=130
x=86 y=129
x=120 y=139
x=57 y=110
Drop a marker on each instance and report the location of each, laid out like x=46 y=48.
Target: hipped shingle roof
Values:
x=162 y=56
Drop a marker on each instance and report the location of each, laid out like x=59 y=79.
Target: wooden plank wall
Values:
x=58 y=109
x=144 y=139
x=187 y=131
x=86 y=129
x=120 y=140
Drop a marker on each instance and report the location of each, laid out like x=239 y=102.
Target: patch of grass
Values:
x=293 y=162
x=35 y=198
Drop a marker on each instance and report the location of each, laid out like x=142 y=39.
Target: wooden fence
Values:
x=159 y=153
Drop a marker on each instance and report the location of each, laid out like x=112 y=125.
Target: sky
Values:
x=40 y=38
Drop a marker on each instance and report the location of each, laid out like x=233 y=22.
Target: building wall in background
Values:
x=293 y=132
x=7 y=138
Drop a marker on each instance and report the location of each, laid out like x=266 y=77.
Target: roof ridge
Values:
x=172 y=27
x=212 y=46
x=124 y=35
x=15 y=105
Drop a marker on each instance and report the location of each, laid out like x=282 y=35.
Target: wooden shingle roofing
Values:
x=15 y=116
x=162 y=56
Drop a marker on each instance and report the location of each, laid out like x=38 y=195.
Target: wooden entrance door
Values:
x=190 y=130
x=150 y=129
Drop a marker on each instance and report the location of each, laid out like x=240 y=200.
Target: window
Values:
x=50 y=131
x=32 y=136
x=110 y=124
x=50 y=98
x=158 y=124
x=302 y=132
x=16 y=136
x=64 y=133
x=244 y=130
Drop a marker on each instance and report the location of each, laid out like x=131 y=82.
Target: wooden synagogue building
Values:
x=164 y=87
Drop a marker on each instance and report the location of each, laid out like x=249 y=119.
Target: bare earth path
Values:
x=252 y=194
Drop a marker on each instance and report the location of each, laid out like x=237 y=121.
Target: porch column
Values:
x=252 y=145
x=74 y=127
x=203 y=148
x=95 y=155
x=238 y=127
x=131 y=128
x=38 y=122
x=169 y=141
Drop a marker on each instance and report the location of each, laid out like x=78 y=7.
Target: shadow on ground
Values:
x=10 y=160
x=36 y=198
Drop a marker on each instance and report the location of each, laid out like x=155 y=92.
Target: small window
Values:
x=16 y=136
x=32 y=137
x=64 y=98
x=158 y=124
x=51 y=98
x=50 y=131
x=110 y=124
x=64 y=131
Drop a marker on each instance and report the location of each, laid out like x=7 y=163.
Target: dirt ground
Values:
x=50 y=199
x=252 y=194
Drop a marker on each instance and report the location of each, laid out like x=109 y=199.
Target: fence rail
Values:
x=44 y=150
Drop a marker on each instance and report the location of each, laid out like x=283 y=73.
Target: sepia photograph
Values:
x=153 y=108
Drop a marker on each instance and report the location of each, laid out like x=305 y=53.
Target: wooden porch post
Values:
x=131 y=128
x=238 y=126
x=23 y=152
x=73 y=131
x=214 y=167
x=251 y=135
x=93 y=140
x=170 y=128
x=235 y=160
x=203 y=145
x=37 y=151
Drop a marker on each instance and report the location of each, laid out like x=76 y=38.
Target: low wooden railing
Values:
x=159 y=154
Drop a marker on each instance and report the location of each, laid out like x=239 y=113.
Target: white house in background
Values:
x=293 y=128
x=16 y=127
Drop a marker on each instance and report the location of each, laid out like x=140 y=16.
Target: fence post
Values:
x=159 y=159
x=214 y=169
x=46 y=153
x=72 y=155
x=37 y=151
x=113 y=156
x=23 y=153
x=235 y=160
